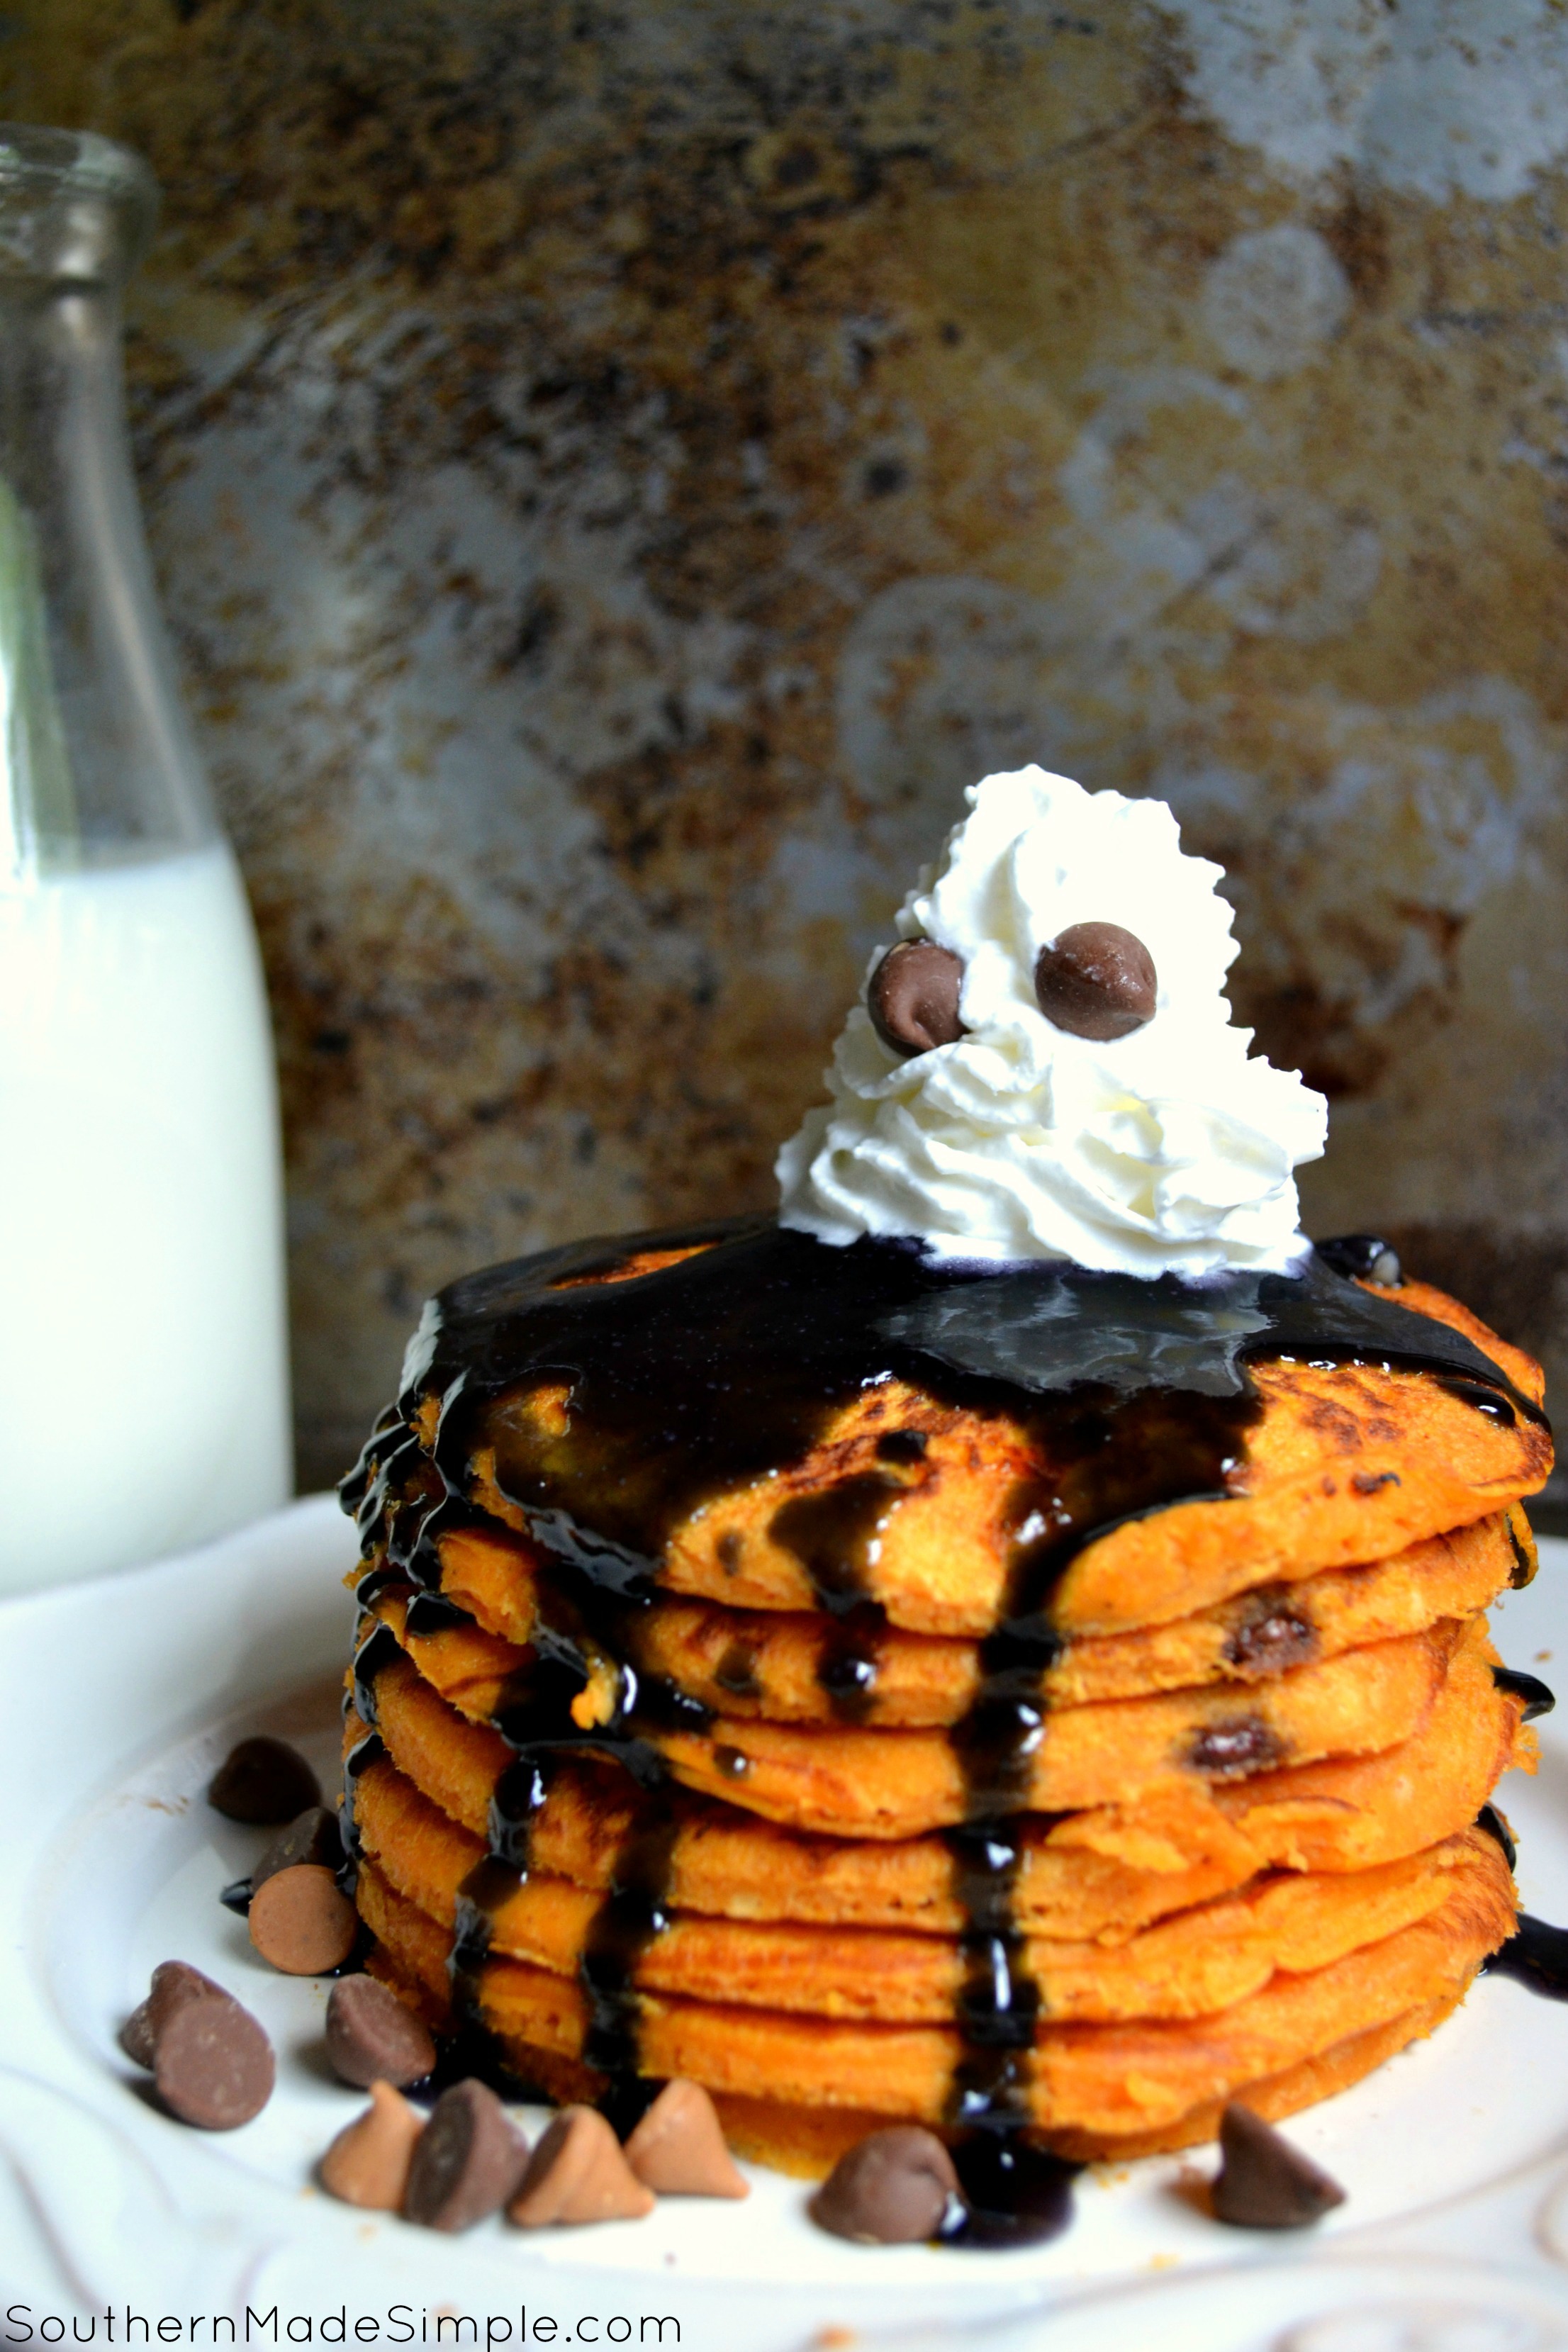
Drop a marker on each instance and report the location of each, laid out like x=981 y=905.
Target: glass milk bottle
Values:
x=143 y=1388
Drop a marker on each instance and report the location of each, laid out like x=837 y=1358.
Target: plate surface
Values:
x=121 y=1696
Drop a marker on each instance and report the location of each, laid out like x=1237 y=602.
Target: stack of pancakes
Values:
x=832 y=1801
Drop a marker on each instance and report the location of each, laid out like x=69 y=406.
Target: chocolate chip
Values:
x=578 y=2174
x=312 y=1836
x=912 y=997
x=891 y=2190
x=469 y=2159
x=371 y=2037
x=679 y=2147
x=1370 y=1482
x=1272 y=1644
x=1228 y=1751
x=302 y=1922
x=213 y=2064
x=263 y=1781
x=175 y=1982
x=1263 y=2182
x=1367 y=1257
x=368 y=2163
x=1095 y=981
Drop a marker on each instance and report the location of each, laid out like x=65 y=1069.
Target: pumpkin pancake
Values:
x=925 y=1503
x=788 y=1667
x=894 y=1784
x=1190 y=1965
x=807 y=2141
x=1105 y=2081
x=1104 y=1873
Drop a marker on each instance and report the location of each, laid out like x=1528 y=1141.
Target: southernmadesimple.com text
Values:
x=400 y=2323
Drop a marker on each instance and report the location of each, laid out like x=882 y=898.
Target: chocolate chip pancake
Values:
x=1029 y=1702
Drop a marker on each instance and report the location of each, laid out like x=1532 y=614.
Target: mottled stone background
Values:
x=616 y=472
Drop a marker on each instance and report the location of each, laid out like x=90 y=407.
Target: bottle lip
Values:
x=73 y=206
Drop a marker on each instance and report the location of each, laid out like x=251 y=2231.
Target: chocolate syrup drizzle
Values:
x=726 y=1366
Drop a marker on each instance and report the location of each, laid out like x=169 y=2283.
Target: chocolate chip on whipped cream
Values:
x=1114 y=1118
x=1097 y=979
x=912 y=997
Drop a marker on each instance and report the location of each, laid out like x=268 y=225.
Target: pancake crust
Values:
x=764 y=1664
x=1197 y=1962
x=1106 y=2082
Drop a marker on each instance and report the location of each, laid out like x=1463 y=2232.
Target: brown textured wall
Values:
x=616 y=473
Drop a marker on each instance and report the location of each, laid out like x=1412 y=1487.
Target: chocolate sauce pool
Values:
x=728 y=1365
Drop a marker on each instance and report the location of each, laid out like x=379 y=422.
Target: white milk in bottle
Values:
x=140 y=1286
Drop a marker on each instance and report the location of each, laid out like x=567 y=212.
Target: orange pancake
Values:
x=1190 y=1965
x=1108 y=2081
x=767 y=1664
x=897 y=1784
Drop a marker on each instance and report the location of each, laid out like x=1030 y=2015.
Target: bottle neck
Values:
x=96 y=762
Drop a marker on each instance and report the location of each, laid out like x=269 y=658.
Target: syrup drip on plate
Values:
x=1536 y=1956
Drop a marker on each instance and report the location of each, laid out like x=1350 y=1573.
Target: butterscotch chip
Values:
x=175 y=1982
x=678 y=2149
x=371 y=2037
x=302 y=1922
x=368 y=2162
x=263 y=1781
x=890 y=2191
x=577 y=2173
x=214 y=2067
x=467 y=2161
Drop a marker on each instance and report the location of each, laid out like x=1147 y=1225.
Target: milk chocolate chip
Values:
x=912 y=997
x=1095 y=981
x=263 y=1781
x=891 y=2189
x=678 y=2150
x=311 y=1836
x=213 y=2064
x=369 y=2161
x=175 y=1982
x=468 y=2160
x=371 y=2037
x=1367 y=1257
x=578 y=2174
x=301 y=1920
x=1263 y=2182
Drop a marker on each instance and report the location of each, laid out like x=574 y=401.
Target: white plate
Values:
x=120 y=1697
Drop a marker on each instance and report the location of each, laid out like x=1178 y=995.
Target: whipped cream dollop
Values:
x=1166 y=1151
